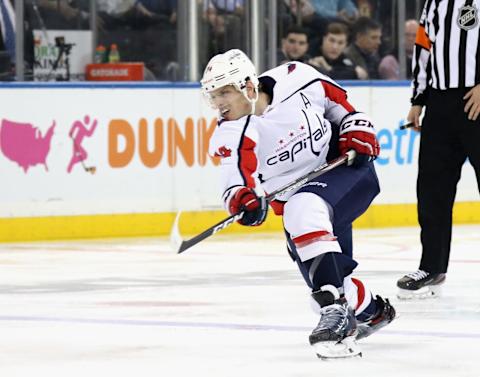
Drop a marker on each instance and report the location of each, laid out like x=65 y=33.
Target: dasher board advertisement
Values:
x=74 y=151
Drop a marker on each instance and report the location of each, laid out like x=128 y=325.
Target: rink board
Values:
x=146 y=145
x=192 y=223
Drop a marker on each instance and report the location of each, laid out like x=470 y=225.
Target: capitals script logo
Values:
x=223 y=152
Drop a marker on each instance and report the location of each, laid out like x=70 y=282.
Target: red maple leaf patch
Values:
x=223 y=152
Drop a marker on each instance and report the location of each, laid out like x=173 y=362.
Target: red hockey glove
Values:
x=254 y=207
x=364 y=143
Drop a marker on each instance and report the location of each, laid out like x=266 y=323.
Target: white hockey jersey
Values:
x=289 y=140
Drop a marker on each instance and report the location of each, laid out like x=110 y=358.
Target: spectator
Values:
x=156 y=37
x=307 y=11
x=317 y=14
x=117 y=14
x=224 y=6
x=335 y=10
x=332 y=60
x=411 y=27
x=302 y=13
x=225 y=20
x=366 y=8
x=144 y=30
x=294 y=46
x=157 y=13
x=389 y=68
x=7 y=40
x=364 y=49
x=63 y=14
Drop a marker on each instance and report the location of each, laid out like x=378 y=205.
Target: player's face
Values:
x=231 y=103
x=333 y=45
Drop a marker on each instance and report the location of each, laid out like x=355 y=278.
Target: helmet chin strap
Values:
x=244 y=92
x=252 y=101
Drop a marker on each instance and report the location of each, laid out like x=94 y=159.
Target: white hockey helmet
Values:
x=230 y=68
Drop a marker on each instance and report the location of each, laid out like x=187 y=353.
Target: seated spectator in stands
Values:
x=156 y=37
x=117 y=14
x=225 y=20
x=62 y=14
x=335 y=10
x=367 y=36
x=224 y=6
x=389 y=68
x=366 y=8
x=294 y=46
x=411 y=27
x=307 y=11
x=302 y=13
x=156 y=13
x=317 y=14
x=332 y=60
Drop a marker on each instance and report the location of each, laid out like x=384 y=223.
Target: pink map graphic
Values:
x=24 y=144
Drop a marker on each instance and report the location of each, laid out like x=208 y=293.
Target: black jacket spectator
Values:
x=364 y=50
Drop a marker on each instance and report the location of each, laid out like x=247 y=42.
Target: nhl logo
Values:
x=467 y=17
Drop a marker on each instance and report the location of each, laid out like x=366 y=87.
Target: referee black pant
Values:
x=448 y=138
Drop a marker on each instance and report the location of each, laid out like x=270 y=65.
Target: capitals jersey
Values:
x=291 y=137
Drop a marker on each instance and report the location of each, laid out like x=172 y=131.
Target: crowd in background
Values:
x=346 y=39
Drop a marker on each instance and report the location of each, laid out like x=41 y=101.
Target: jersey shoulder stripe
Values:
x=228 y=134
x=292 y=77
x=247 y=159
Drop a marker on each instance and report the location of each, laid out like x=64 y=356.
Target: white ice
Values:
x=230 y=306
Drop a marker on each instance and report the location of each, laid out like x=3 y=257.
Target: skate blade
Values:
x=348 y=347
x=431 y=291
x=364 y=330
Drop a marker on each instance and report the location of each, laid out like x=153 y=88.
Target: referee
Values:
x=446 y=81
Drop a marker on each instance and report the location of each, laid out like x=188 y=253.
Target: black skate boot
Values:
x=334 y=336
x=384 y=315
x=420 y=284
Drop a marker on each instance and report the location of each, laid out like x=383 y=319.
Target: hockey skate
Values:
x=334 y=336
x=420 y=284
x=384 y=315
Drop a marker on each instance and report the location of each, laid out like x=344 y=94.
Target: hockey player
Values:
x=272 y=130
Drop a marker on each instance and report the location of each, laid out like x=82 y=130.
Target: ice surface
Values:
x=230 y=306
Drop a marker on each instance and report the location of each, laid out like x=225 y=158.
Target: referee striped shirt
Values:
x=447 y=48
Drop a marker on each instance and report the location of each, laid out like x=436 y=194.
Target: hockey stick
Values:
x=180 y=245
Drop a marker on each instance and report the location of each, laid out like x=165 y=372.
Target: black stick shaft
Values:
x=186 y=244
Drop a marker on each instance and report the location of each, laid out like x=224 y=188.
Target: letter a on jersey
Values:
x=305 y=100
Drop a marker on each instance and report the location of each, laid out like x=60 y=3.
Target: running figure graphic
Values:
x=78 y=132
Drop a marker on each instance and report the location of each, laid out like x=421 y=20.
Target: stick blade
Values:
x=176 y=240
